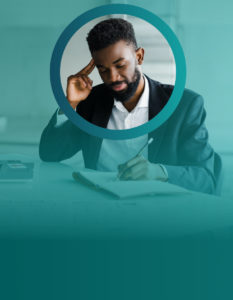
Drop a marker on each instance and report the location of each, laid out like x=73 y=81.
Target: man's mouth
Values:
x=119 y=87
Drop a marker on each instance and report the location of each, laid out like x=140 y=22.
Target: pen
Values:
x=138 y=154
x=146 y=144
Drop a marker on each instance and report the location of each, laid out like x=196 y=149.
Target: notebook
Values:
x=108 y=182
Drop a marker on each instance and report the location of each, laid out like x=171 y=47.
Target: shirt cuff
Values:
x=165 y=178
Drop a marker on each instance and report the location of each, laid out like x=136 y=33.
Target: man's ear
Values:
x=140 y=55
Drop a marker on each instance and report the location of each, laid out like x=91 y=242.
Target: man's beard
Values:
x=125 y=95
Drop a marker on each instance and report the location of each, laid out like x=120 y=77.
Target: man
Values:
x=179 y=153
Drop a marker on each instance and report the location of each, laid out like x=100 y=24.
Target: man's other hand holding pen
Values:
x=139 y=168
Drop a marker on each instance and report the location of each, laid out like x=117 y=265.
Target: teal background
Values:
x=29 y=31
x=59 y=244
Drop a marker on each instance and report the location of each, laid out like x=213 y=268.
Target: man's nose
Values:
x=114 y=76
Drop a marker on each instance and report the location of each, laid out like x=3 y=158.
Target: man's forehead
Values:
x=113 y=62
x=113 y=53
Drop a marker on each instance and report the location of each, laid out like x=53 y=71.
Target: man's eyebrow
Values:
x=115 y=62
x=119 y=59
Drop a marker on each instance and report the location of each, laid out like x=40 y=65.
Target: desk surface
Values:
x=54 y=205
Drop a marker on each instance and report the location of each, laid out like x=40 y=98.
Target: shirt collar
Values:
x=143 y=100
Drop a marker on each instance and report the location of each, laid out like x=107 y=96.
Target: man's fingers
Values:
x=82 y=82
x=134 y=161
x=88 y=69
x=139 y=175
x=134 y=174
x=88 y=81
x=133 y=171
x=130 y=163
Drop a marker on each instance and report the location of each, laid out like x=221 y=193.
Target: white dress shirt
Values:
x=115 y=152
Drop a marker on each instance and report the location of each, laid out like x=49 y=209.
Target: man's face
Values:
x=118 y=67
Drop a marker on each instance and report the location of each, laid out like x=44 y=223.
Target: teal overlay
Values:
x=108 y=10
x=61 y=240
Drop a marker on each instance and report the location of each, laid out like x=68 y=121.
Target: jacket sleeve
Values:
x=60 y=142
x=199 y=167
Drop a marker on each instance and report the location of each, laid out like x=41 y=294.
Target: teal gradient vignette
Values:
x=107 y=10
x=46 y=252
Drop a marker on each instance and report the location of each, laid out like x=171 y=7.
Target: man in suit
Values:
x=179 y=153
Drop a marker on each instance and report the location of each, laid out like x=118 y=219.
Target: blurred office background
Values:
x=30 y=29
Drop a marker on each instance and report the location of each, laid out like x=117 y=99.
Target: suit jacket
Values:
x=180 y=144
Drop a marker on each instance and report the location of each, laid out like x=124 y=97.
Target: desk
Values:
x=65 y=241
x=54 y=205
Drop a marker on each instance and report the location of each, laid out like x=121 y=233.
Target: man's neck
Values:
x=132 y=102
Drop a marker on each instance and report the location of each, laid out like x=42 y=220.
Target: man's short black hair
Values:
x=109 y=32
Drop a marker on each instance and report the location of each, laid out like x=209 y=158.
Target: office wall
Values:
x=206 y=35
x=29 y=31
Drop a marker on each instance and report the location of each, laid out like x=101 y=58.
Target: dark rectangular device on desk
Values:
x=15 y=171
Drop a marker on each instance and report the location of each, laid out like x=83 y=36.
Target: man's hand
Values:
x=79 y=85
x=138 y=168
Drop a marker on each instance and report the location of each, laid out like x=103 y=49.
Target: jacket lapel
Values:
x=157 y=100
x=101 y=115
x=103 y=109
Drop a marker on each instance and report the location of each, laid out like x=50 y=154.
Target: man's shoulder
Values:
x=191 y=104
x=191 y=100
x=161 y=92
x=168 y=89
x=189 y=97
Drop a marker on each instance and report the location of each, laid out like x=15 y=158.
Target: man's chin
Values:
x=122 y=97
x=127 y=93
